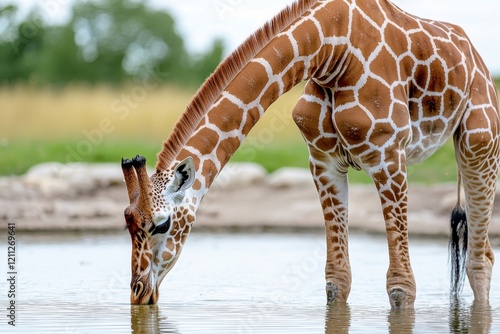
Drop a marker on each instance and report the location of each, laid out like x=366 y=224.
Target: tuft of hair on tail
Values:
x=457 y=247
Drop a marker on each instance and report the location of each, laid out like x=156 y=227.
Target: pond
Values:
x=232 y=283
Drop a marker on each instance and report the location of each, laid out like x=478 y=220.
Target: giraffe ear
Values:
x=183 y=175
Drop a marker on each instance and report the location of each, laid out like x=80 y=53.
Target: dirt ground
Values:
x=55 y=197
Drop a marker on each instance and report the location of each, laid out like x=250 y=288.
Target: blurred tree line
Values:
x=112 y=41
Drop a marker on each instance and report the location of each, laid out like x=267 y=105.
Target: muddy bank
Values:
x=93 y=196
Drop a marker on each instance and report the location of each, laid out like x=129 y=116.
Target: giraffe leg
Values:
x=313 y=115
x=478 y=152
x=379 y=149
x=392 y=187
x=332 y=189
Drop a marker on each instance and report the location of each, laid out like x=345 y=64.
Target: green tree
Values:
x=111 y=41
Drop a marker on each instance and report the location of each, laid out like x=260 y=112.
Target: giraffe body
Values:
x=385 y=89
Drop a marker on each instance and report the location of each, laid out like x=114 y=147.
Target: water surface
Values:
x=233 y=283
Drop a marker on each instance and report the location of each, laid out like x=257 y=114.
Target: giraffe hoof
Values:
x=331 y=292
x=397 y=297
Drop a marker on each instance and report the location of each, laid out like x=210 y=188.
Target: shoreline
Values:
x=53 y=197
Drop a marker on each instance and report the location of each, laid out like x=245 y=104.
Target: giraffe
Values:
x=384 y=89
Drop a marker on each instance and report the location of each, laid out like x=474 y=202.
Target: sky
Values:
x=200 y=21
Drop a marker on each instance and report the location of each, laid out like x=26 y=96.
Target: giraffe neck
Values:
x=289 y=58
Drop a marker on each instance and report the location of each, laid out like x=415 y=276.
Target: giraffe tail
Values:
x=458 y=245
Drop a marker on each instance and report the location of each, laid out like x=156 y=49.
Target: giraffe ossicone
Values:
x=385 y=89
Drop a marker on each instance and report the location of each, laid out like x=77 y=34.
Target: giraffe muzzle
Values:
x=143 y=294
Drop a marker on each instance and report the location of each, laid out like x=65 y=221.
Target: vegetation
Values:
x=111 y=42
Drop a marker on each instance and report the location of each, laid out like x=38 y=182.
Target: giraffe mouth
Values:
x=142 y=294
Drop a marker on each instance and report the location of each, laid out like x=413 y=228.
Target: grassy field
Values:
x=102 y=124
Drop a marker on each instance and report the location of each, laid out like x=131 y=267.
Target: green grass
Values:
x=18 y=156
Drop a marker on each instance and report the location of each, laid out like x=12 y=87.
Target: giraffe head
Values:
x=159 y=219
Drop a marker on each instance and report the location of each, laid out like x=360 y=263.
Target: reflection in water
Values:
x=91 y=295
x=401 y=321
x=147 y=319
x=337 y=318
x=474 y=319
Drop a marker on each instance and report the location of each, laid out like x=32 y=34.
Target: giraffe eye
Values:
x=161 y=228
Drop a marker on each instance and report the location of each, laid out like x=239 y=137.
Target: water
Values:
x=232 y=283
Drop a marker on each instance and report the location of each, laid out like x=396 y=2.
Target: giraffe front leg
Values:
x=333 y=192
x=391 y=183
x=313 y=116
x=379 y=149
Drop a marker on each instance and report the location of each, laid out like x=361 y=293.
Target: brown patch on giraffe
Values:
x=353 y=125
x=166 y=256
x=186 y=153
x=277 y=54
x=452 y=101
x=177 y=237
x=364 y=37
x=351 y=77
x=437 y=82
x=493 y=94
x=336 y=13
x=196 y=185
x=420 y=80
x=145 y=261
x=376 y=98
x=406 y=66
x=381 y=133
x=324 y=179
x=384 y=65
x=209 y=169
x=400 y=118
x=226 y=122
x=170 y=244
x=252 y=118
x=344 y=97
x=226 y=148
x=448 y=52
x=480 y=145
x=456 y=75
x=329 y=217
x=372 y=9
x=432 y=105
x=250 y=82
x=292 y=77
x=269 y=96
x=357 y=150
x=326 y=144
x=327 y=125
x=309 y=35
x=304 y=114
x=421 y=46
x=396 y=39
x=480 y=90
x=209 y=138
